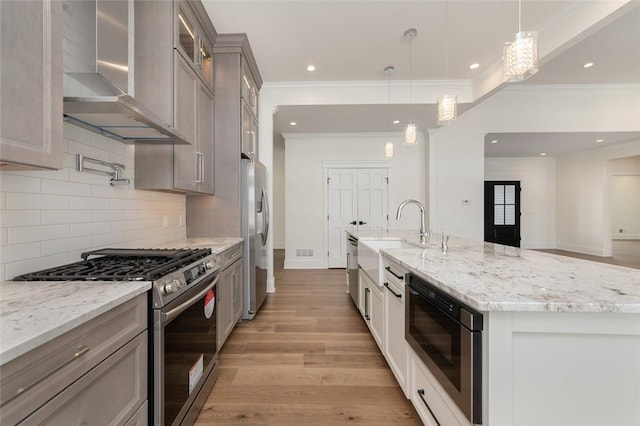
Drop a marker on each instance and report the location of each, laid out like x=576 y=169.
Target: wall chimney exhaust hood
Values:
x=98 y=74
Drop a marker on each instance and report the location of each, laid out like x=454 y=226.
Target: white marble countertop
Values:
x=493 y=277
x=217 y=245
x=35 y=312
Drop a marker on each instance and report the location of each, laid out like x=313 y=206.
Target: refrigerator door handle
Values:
x=265 y=217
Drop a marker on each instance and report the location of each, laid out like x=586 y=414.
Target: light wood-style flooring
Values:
x=625 y=253
x=306 y=359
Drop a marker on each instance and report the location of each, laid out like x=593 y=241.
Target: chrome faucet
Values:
x=423 y=231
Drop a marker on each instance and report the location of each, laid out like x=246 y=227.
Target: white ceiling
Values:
x=354 y=40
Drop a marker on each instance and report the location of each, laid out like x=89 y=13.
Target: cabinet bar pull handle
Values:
x=398 y=295
x=366 y=304
x=400 y=277
x=80 y=350
x=421 y=394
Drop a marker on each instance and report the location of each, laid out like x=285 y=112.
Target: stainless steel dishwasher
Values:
x=352 y=268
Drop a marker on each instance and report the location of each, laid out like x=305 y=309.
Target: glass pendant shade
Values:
x=388 y=149
x=410 y=135
x=520 y=57
x=447 y=109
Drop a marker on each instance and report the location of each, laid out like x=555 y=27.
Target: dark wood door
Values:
x=502 y=212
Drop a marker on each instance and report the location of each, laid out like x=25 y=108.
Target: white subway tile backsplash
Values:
x=66 y=245
x=19 y=183
x=78 y=229
x=108 y=240
x=11 y=218
x=66 y=188
x=17 y=201
x=54 y=217
x=35 y=264
x=49 y=218
x=26 y=234
x=20 y=252
x=107 y=215
x=84 y=203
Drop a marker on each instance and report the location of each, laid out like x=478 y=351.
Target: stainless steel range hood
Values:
x=98 y=74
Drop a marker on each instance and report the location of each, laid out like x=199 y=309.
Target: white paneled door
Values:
x=357 y=200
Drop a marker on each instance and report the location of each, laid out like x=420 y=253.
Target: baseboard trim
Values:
x=304 y=263
x=626 y=236
x=594 y=251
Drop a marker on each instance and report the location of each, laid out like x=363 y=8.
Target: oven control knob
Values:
x=171 y=286
x=179 y=283
x=210 y=264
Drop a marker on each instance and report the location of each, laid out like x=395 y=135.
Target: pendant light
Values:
x=520 y=57
x=410 y=135
x=447 y=103
x=388 y=146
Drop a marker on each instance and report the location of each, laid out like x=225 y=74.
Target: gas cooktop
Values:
x=113 y=264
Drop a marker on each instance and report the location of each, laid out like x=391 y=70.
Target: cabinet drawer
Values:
x=111 y=393
x=429 y=399
x=29 y=381
x=230 y=255
x=393 y=273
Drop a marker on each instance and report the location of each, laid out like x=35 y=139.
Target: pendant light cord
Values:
x=519 y=16
x=411 y=78
x=446 y=41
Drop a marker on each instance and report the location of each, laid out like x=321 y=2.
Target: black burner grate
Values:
x=120 y=265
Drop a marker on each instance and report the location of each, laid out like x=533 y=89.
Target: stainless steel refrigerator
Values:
x=255 y=231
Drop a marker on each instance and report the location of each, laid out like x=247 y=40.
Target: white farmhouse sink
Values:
x=369 y=256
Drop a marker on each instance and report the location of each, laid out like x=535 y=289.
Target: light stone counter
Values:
x=217 y=245
x=493 y=277
x=35 y=312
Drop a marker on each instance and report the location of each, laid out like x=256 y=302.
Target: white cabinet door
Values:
x=395 y=345
x=377 y=315
x=356 y=200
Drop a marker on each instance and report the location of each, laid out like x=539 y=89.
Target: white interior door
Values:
x=356 y=200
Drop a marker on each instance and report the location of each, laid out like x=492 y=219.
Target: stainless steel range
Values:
x=182 y=319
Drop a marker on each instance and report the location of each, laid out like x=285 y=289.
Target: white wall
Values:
x=624 y=176
x=50 y=217
x=584 y=219
x=457 y=155
x=305 y=185
x=278 y=193
x=537 y=178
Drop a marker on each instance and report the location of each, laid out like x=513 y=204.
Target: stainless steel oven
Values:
x=184 y=340
x=447 y=335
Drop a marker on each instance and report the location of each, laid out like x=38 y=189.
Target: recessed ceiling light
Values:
x=474 y=66
x=311 y=68
x=396 y=121
x=543 y=153
x=588 y=65
x=293 y=123
x=494 y=141
x=599 y=140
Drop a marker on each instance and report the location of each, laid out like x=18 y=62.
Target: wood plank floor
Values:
x=306 y=359
x=625 y=253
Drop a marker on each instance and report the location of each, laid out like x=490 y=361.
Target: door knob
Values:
x=353 y=223
x=362 y=223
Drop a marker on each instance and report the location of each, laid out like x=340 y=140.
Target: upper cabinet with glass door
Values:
x=193 y=44
x=249 y=90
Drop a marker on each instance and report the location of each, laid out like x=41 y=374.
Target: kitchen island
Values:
x=561 y=336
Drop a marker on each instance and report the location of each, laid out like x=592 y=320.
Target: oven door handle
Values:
x=167 y=317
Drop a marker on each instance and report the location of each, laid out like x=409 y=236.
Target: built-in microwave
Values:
x=447 y=336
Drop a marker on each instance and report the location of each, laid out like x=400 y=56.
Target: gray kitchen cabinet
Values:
x=95 y=373
x=31 y=85
x=234 y=123
x=229 y=292
x=184 y=82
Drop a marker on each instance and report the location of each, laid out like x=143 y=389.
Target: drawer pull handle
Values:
x=80 y=350
x=421 y=394
x=400 y=277
x=398 y=295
